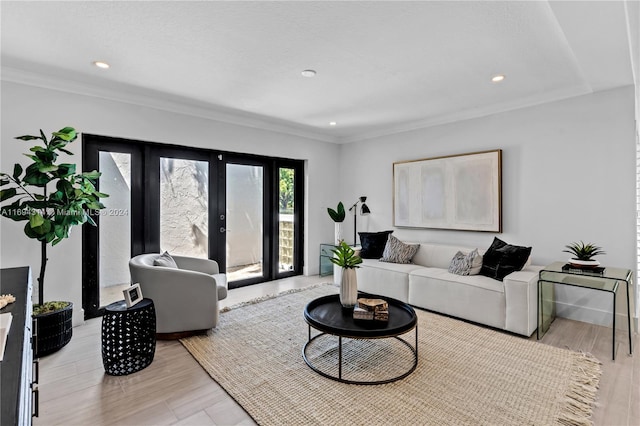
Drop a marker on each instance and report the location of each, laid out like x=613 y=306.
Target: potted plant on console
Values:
x=582 y=254
x=51 y=198
x=337 y=216
x=348 y=260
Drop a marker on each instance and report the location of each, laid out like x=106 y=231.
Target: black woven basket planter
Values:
x=53 y=330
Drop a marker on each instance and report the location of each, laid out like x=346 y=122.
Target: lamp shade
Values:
x=364 y=210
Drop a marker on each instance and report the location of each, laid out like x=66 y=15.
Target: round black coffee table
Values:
x=327 y=315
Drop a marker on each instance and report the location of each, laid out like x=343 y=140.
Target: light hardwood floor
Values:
x=174 y=389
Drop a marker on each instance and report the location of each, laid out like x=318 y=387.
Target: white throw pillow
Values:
x=476 y=263
x=165 y=260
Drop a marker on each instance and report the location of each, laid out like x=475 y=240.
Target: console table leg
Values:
x=613 y=344
x=629 y=321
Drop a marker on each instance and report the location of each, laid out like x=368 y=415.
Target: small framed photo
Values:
x=132 y=295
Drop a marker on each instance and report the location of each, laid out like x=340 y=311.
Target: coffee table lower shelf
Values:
x=340 y=378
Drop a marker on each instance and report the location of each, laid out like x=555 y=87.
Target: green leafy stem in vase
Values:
x=345 y=256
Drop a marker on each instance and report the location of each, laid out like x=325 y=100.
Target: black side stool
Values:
x=128 y=337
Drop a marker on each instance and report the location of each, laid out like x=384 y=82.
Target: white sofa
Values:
x=426 y=283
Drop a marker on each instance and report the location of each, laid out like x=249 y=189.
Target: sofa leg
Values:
x=179 y=334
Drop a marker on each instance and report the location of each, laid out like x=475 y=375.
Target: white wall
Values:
x=26 y=109
x=568 y=175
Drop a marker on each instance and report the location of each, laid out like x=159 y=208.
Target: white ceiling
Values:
x=382 y=67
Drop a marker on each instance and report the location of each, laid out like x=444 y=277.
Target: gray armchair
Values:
x=186 y=298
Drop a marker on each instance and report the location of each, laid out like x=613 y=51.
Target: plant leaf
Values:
x=28 y=137
x=67 y=134
x=17 y=171
x=5 y=194
x=92 y=174
x=35 y=220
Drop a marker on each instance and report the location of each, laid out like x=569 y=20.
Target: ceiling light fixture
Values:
x=101 y=64
x=497 y=78
x=308 y=73
x=332 y=123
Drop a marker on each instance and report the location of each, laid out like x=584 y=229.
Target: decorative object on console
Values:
x=348 y=260
x=595 y=271
x=338 y=216
x=501 y=259
x=395 y=251
x=582 y=254
x=453 y=192
x=49 y=217
x=5 y=299
x=371 y=310
x=133 y=294
x=364 y=211
x=373 y=244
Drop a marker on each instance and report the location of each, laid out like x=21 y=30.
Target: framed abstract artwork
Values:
x=462 y=192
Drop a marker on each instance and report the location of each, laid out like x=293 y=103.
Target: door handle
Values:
x=223 y=230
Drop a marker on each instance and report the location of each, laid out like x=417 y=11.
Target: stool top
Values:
x=121 y=306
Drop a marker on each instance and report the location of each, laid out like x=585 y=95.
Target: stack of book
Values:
x=371 y=310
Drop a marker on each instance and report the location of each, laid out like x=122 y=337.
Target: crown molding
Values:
x=472 y=113
x=148 y=98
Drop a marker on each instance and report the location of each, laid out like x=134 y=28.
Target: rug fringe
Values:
x=579 y=409
x=271 y=296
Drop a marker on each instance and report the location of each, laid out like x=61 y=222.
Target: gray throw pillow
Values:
x=398 y=252
x=165 y=260
x=466 y=264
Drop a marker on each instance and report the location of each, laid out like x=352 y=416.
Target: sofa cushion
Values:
x=165 y=260
x=447 y=278
x=396 y=251
x=373 y=244
x=501 y=259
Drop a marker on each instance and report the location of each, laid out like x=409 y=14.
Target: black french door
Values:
x=244 y=211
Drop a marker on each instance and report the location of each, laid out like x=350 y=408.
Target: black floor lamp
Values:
x=364 y=211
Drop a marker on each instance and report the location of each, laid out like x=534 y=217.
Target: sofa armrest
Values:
x=521 y=295
x=206 y=266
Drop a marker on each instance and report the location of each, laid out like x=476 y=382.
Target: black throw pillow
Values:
x=373 y=244
x=501 y=259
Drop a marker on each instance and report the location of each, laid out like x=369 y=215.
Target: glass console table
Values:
x=609 y=280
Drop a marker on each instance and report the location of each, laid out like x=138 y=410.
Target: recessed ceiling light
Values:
x=101 y=64
x=497 y=78
x=333 y=123
x=308 y=73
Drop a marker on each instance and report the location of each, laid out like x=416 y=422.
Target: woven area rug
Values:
x=466 y=374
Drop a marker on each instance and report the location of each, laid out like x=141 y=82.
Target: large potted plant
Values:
x=346 y=258
x=50 y=198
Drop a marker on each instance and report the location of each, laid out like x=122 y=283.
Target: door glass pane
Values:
x=244 y=234
x=285 y=224
x=184 y=207
x=114 y=232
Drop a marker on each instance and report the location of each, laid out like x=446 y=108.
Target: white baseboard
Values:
x=594 y=316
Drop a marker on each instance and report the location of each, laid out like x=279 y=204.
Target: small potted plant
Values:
x=582 y=254
x=51 y=198
x=337 y=216
x=348 y=260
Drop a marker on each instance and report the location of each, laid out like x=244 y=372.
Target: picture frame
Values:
x=457 y=192
x=132 y=295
